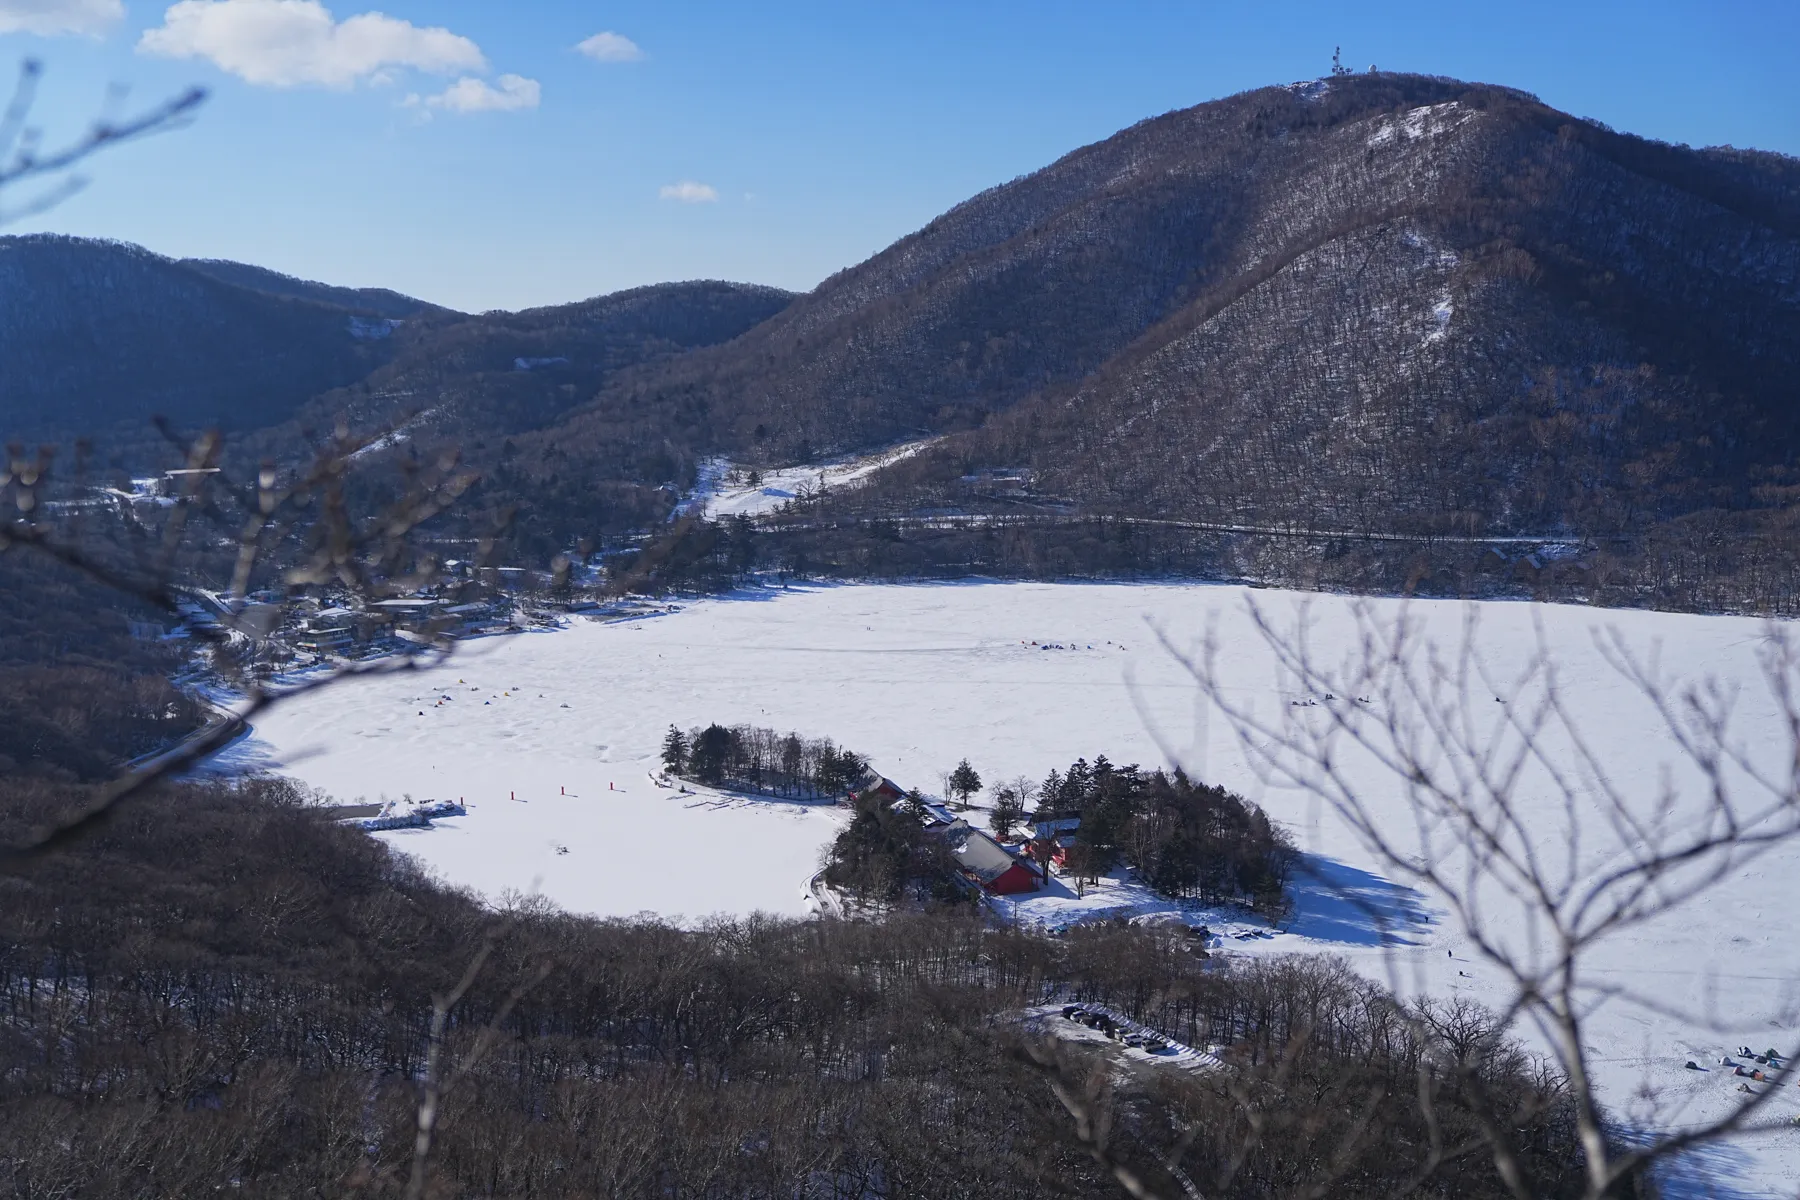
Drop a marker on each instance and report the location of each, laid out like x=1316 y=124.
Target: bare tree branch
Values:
x=370 y=557
x=23 y=160
x=1406 y=708
x=438 y=1083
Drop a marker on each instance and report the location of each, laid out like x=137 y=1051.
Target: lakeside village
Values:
x=465 y=601
x=274 y=633
x=316 y=629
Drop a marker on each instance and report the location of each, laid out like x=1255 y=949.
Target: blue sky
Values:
x=468 y=152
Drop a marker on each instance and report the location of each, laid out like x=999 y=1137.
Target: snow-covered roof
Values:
x=981 y=856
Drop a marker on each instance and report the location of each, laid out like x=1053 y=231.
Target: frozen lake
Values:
x=551 y=738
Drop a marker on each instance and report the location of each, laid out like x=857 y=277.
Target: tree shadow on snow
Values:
x=728 y=798
x=242 y=755
x=1335 y=902
x=1710 y=1172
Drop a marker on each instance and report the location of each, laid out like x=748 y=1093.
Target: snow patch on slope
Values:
x=1442 y=262
x=1440 y=315
x=722 y=490
x=393 y=437
x=372 y=329
x=1427 y=121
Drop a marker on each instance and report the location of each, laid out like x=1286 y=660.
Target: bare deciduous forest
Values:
x=222 y=988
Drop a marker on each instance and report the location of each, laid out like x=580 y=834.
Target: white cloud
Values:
x=284 y=43
x=611 y=48
x=468 y=95
x=689 y=192
x=48 y=17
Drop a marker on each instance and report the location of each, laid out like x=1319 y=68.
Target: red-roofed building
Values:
x=987 y=862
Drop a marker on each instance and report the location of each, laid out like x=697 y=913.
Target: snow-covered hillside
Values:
x=721 y=492
x=551 y=737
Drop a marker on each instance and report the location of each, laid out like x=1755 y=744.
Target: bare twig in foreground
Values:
x=1517 y=822
x=438 y=1082
x=307 y=517
x=23 y=160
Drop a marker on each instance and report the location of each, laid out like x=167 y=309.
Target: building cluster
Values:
x=997 y=868
x=465 y=601
x=321 y=627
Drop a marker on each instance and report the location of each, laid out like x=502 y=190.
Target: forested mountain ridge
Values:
x=1376 y=306
x=502 y=372
x=476 y=385
x=96 y=335
x=1371 y=303
x=380 y=302
x=97 y=338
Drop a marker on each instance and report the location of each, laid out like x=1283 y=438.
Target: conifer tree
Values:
x=915 y=804
x=710 y=751
x=674 y=751
x=1009 y=810
x=964 y=782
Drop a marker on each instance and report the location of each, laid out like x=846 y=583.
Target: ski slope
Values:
x=550 y=738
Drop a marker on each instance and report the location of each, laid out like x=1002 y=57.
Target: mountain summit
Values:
x=1377 y=302
x=1365 y=311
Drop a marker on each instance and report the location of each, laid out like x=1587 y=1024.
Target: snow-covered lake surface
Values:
x=551 y=739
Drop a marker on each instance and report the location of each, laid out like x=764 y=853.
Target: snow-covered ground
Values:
x=718 y=494
x=550 y=738
x=1048 y=1018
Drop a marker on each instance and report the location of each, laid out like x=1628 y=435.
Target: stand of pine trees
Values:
x=1183 y=838
x=886 y=855
x=752 y=759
